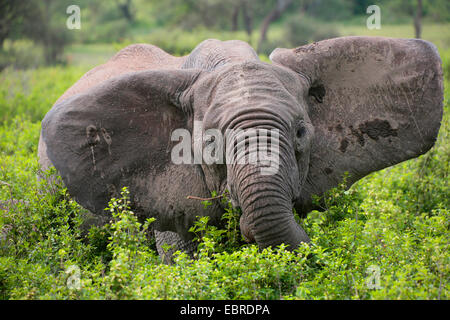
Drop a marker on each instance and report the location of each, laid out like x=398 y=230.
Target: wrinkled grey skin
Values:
x=351 y=104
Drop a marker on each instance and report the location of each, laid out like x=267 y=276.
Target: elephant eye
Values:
x=318 y=92
x=301 y=132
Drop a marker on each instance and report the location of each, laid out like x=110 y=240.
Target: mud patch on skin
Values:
x=112 y=190
x=377 y=128
x=107 y=139
x=328 y=170
x=306 y=49
x=359 y=136
x=92 y=135
x=344 y=145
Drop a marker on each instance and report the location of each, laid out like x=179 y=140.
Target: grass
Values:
x=439 y=34
x=90 y=55
x=385 y=238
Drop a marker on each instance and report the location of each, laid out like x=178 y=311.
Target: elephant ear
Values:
x=117 y=133
x=133 y=58
x=373 y=101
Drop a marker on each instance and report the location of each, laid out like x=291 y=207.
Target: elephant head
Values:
x=351 y=104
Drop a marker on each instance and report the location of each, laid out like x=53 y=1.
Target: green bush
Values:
x=179 y=42
x=105 y=32
x=298 y=30
x=31 y=93
x=301 y=30
x=21 y=54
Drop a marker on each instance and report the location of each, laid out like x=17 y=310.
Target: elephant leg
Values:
x=174 y=243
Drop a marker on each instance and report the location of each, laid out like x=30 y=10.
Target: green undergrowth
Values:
x=385 y=238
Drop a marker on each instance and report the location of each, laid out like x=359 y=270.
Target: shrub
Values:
x=31 y=93
x=301 y=30
x=21 y=54
x=298 y=30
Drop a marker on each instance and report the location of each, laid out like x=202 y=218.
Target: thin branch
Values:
x=5 y=183
x=204 y=199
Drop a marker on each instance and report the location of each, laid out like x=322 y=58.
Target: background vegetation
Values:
x=395 y=221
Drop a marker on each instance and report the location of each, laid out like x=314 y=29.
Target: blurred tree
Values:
x=438 y=10
x=11 y=13
x=330 y=9
x=418 y=19
x=125 y=7
x=278 y=9
x=360 y=6
x=247 y=17
x=189 y=14
x=435 y=10
x=246 y=7
x=237 y=15
x=104 y=21
x=301 y=29
x=219 y=14
x=45 y=23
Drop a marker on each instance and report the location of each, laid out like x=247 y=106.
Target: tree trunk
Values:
x=273 y=15
x=248 y=21
x=126 y=10
x=46 y=39
x=234 y=18
x=418 y=20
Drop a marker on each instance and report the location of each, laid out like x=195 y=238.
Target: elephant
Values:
x=343 y=106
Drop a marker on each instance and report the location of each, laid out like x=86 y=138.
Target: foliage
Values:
x=216 y=240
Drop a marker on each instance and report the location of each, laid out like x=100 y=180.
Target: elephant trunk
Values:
x=266 y=201
x=268 y=220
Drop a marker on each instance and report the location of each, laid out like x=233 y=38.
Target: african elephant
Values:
x=349 y=104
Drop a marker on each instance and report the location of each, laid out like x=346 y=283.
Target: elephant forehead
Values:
x=244 y=79
x=212 y=54
x=245 y=91
x=261 y=78
x=253 y=108
x=248 y=69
